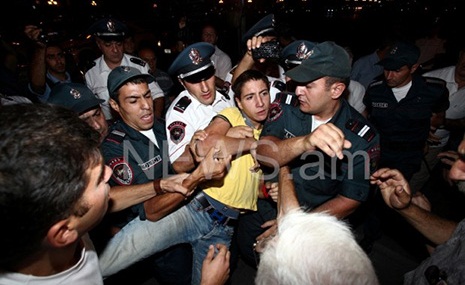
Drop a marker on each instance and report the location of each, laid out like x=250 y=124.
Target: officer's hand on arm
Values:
x=393 y=186
x=327 y=138
x=215 y=267
x=213 y=166
x=171 y=184
x=272 y=188
x=199 y=135
x=240 y=132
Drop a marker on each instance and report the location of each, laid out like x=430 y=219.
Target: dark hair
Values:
x=246 y=76
x=45 y=152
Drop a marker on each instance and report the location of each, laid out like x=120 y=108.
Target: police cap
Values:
x=325 y=59
x=193 y=64
x=265 y=26
x=122 y=74
x=109 y=29
x=293 y=54
x=74 y=96
x=400 y=54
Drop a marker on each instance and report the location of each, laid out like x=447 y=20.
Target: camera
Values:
x=268 y=50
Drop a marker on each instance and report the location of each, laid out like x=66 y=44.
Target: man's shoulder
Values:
x=180 y=104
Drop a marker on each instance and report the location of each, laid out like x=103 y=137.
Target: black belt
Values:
x=226 y=216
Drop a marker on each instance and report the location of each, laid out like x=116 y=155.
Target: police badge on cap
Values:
x=193 y=64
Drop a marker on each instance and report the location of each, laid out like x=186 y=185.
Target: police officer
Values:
x=260 y=33
x=79 y=98
x=109 y=35
x=134 y=151
x=194 y=107
x=403 y=107
x=310 y=137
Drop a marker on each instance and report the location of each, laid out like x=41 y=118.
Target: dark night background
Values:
x=318 y=20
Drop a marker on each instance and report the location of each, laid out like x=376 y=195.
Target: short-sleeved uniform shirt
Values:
x=134 y=159
x=187 y=115
x=318 y=177
x=97 y=76
x=404 y=126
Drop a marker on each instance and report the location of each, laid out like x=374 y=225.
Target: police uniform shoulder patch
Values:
x=116 y=136
x=177 y=131
x=138 y=61
x=360 y=129
x=182 y=104
x=375 y=83
x=275 y=111
x=122 y=171
x=435 y=81
x=287 y=98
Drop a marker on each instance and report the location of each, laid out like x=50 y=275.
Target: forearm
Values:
x=454 y=124
x=122 y=197
x=287 y=198
x=162 y=205
x=246 y=63
x=184 y=163
x=271 y=150
x=38 y=70
x=339 y=206
x=233 y=146
x=434 y=228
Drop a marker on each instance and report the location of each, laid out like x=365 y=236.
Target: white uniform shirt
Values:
x=222 y=63
x=456 y=108
x=356 y=93
x=183 y=119
x=96 y=80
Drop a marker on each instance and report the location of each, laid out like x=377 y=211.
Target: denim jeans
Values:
x=140 y=239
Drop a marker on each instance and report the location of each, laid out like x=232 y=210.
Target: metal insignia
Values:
x=75 y=93
x=308 y=54
x=111 y=26
x=394 y=50
x=126 y=68
x=195 y=57
x=301 y=51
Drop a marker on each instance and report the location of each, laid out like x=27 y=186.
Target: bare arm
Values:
x=397 y=195
x=287 y=198
x=339 y=206
x=327 y=138
x=37 y=69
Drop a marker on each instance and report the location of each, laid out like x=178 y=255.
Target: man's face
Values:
x=96 y=120
x=55 y=59
x=204 y=91
x=314 y=97
x=398 y=78
x=255 y=101
x=94 y=202
x=209 y=35
x=135 y=106
x=111 y=50
x=149 y=56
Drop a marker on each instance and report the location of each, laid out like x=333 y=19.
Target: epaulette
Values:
x=182 y=104
x=116 y=136
x=375 y=83
x=138 y=61
x=286 y=97
x=435 y=81
x=360 y=129
x=281 y=86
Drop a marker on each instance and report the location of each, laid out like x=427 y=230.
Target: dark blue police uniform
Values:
x=134 y=159
x=316 y=179
x=404 y=126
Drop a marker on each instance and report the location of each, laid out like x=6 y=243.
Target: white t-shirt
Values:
x=85 y=272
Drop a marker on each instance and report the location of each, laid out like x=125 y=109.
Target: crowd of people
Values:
x=119 y=165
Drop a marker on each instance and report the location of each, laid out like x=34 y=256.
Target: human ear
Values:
x=60 y=235
x=114 y=105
